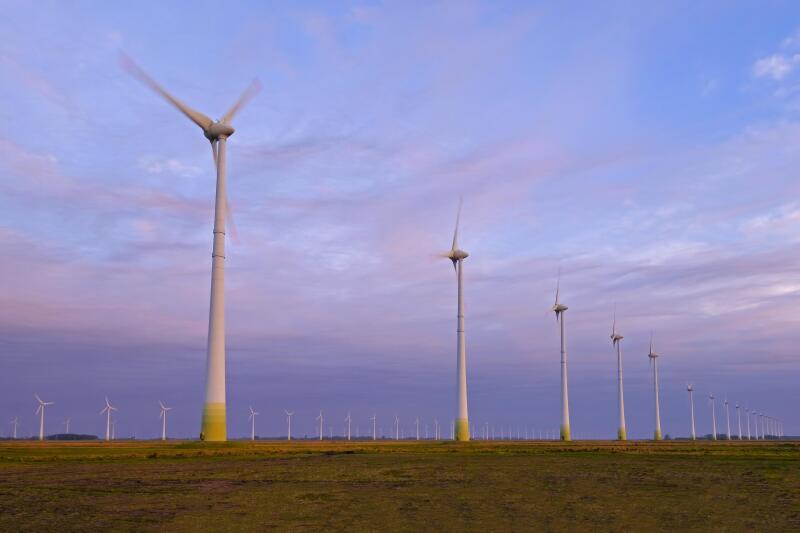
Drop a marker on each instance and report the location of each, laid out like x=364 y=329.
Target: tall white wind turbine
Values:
x=214 y=426
x=252 y=417
x=457 y=256
x=713 y=416
x=348 y=420
x=559 y=309
x=163 y=417
x=727 y=419
x=417 y=428
x=66 y=425
x=616 y=341
x=739 y=420
x=690 y=388
x=107 y=410
x=289 y=419
x=14 y=422
x=396 y=428
x=374 y=434
x=40 y=412
x=320 y=424
x=654 y=363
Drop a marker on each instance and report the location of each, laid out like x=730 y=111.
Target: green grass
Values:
x=408 y=486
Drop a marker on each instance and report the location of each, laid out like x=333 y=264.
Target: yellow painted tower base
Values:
x=462 y=430
x=622 y=434
x=657 y=435
x=214 y=427
x=565 y=433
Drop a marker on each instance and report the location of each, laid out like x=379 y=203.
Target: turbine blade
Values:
x=558 y=285
x=248 y=93
x=214 y=152
x=458 y=219
x=136 y=71
x=37 y=398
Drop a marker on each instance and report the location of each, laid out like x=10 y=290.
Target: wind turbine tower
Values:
x=747 y=418
x=348 y=420
x=15 y=423
x=739 y=420
x=417 y=423
x=457 y=256
x=559 y=309
x=690 y=388
x=289 y=418
x=66 y=425
x=616 y=341
x=374 y=434
x=727 y=419
x=163 y=417
x=107 y=410
x=214 y=426
x=252 y=417
x=654 y=363
x=40 y=412
x=320 y=424
x=713 y=416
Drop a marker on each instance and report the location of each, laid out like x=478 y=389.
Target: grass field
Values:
x=410 y=486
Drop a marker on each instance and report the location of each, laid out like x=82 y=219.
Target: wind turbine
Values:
x=320 y=424
x=457 y=256
x=417 y=428
x=739 y=420
x=616 y=341
x=654 y=363
x=252 y=417
x=66 y=423
x=107 y=410
x=690 y=388
x=728 y=418
x=396 y=428
x=348 y=420
x=747 y=417
x=559 y=309
x=713 y=416
x=40 y=412
x=163 y=417
x=15 y=423
x=214 y=427
x=289 y=418
x=374 y=434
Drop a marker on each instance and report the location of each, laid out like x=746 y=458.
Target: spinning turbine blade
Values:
x=247 y=95
x=458 y=219
x=195 y=116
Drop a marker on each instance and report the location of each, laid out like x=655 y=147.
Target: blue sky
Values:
x=649 y=151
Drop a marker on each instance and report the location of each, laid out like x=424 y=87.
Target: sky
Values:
x=647 y=150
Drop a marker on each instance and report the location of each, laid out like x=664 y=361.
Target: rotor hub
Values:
x=217 y=130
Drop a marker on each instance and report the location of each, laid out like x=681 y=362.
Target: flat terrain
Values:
x=543 y=486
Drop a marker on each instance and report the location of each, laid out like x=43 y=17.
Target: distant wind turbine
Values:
x=348 y=420
x=739 y=420
x=214 y=427
x=163 y=417
x=289 y=419
x=457 y=256
x=107 y=410
x=727 y=419
x=66 y=424
x=252 y=417
x=747 y=418
x=713 y=416
x=40 y=412
x=15 y=423
x=690 y=388
x=320 y=424
x=396 y=428
x=374 y=434
x=417 y=423
x=616 y=341
x=654 y=363
x=559 y=309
